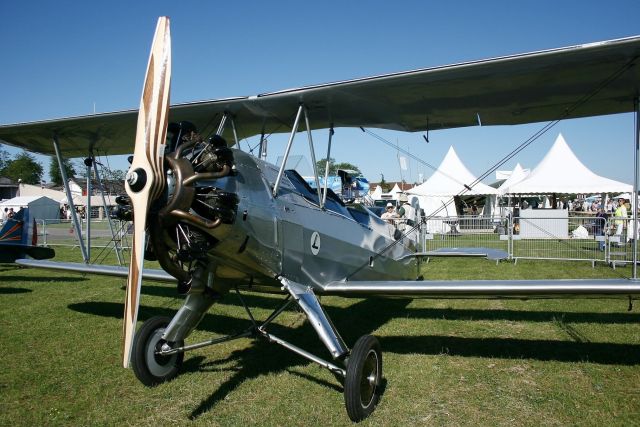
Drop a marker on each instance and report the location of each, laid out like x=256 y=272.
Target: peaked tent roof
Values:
x=517 y=175
x=560 y=171
x=450 y=180
x=377 y=193
x=395 y=190
x=27 y=200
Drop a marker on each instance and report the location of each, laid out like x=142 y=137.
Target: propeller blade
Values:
x=145 y=179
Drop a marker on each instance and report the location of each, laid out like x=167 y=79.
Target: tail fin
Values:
x=13 y=230
x=19 y=238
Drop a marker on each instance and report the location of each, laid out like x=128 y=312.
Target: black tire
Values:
x=148 y=367
x=363 y=382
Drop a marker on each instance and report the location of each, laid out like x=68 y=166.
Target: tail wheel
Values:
x=150 y=368
x=362 y=384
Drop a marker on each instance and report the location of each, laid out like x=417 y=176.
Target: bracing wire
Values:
x=468 y=187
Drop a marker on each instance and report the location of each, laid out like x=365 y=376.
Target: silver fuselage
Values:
x=290 y=236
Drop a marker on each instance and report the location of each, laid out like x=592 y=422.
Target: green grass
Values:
x=446 y=362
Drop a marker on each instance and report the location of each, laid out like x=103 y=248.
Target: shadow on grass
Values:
x=251 y=362
x=64 y=279
x=166 y=291
x=517 y=315
x=510 y=348
x=365 y=316
x=252 y=300
x=9 y=290
x=211 y=323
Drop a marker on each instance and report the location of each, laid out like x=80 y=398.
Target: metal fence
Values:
x=579 y=238
x=559 y=238
x=61 y=232
x=463 y=232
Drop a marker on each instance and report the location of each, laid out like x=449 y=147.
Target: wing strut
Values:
x=294 y=129
x=636 y=163
x=313 y=158
x=87 y=206
x=235 y=134
x=326 y=166
x=116 y=243
x=65 y=182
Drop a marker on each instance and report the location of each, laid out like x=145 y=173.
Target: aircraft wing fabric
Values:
x=519 y=289
x=579 y=81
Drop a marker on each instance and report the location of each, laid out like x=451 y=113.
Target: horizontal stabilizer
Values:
x=489 y=253
x=10 y=252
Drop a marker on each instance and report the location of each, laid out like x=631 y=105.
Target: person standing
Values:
x=621 y=215
x=406 y=211
x=600 y=226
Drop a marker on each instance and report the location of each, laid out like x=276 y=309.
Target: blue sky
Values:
x=61 y=58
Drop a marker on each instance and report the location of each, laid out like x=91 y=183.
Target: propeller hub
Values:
x=136 y=179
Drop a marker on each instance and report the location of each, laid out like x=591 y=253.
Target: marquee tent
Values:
x=395 y=192
x=517 y=175
x=560 y=171
x=450 y=179
x=436 y=193
x=40 y=207
x=377 y=193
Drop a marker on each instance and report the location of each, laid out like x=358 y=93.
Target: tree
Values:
x=54 y=170
x=346 y=165
x=113 y=174
x=321 y=165
x=4 y=158
x=333 y=166
x=23 y=167
x=383 y=184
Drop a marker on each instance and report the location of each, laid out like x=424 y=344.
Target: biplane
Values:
x=19 y=239
x=219 y=219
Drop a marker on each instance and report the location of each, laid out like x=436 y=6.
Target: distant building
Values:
x=8 y=189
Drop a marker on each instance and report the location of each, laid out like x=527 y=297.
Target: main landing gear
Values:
x=363 y=377
x=159 y=348
x=150 y=367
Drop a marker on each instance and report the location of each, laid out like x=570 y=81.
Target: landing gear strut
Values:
x=156 y=360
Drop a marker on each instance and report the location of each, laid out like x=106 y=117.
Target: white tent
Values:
x=435 y=195
x=395 y=192
x=96 y=201
x=40 y=207
x=560 y=171
x=377 y=193
x=510 y=178
x=447 y=181
x=450 y=180
x=517 y=175
x=38 y=190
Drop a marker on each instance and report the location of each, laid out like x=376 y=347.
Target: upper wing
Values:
x=579 y=81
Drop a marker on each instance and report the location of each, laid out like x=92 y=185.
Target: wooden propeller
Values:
x=145 y=179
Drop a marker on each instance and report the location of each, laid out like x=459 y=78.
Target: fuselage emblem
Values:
x=315 y=243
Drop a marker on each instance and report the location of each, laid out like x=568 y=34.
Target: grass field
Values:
x=446 y=362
